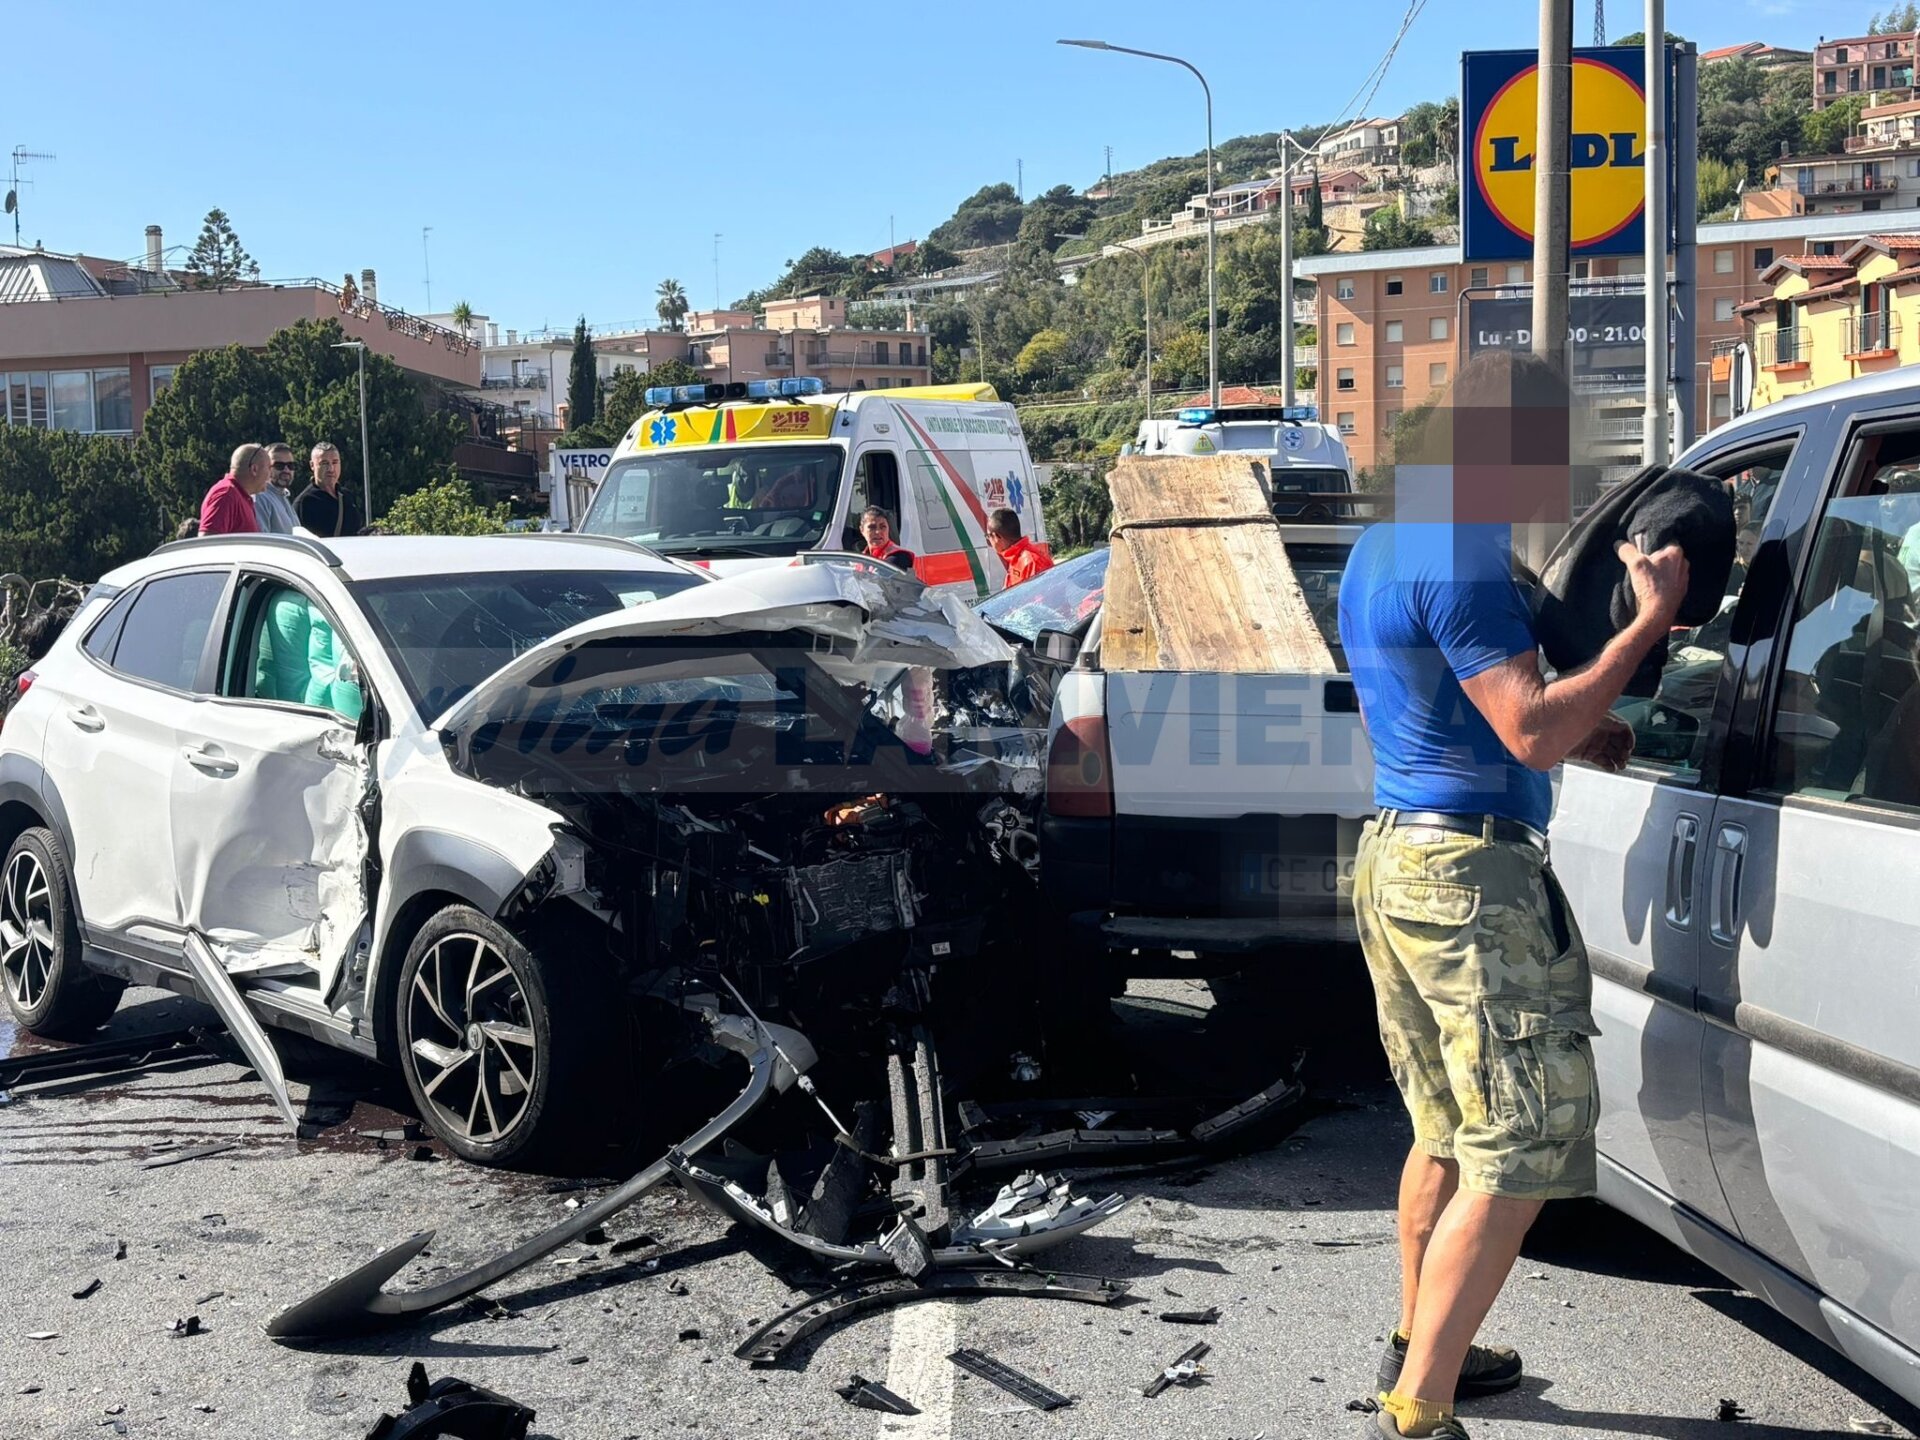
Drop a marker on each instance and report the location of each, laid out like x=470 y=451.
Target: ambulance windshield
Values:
x=745 y=500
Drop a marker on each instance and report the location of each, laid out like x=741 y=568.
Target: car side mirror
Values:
x=1056 y=646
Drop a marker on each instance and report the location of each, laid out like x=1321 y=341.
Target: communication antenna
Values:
x=1109 y=170
x=20 y=156
x=427 y=261
x=1599 y=22
x=718 y=303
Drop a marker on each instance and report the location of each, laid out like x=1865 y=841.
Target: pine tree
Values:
x=218 y=257
x=583 y=383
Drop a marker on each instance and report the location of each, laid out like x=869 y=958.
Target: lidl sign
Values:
x=1607 y=151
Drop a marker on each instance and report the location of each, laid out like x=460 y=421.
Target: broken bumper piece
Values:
x=1027 y=1216
x=776 y=1056
x=774 y=1341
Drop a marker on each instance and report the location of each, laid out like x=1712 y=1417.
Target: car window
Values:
x=1846 y=721
x=447 y=633
x=283 y=647
x=1063 y=598
x=1670 y=727
x=166 y=628
x=101 y=639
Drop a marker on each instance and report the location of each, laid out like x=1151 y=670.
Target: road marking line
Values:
x=924 y=1334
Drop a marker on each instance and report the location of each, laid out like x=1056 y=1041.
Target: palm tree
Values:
x=463 y=318
x=672 y=304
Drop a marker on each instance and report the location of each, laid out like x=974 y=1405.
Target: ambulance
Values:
x=1304 y=457
x=752 y=474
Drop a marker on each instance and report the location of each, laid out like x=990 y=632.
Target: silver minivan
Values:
x=1750 y=888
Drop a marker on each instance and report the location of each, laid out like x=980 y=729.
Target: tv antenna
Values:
x=426 y=261
x=20 y=156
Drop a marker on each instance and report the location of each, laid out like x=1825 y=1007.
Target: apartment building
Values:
x=1391 y=324
x=1871 y=65
x=1364 y=142
x=1767 y=57
x=1832 y=317
x=87 y=344
x=811 y=335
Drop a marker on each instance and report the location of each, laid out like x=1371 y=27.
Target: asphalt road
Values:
x=1623 y=1336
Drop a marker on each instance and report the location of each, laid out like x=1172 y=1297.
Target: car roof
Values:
x=1888 y=385
x=386 y=557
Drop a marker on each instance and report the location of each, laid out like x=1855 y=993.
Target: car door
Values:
x=266 y=831
x=1811 y=917
x=109 y=750
x=1628 y=848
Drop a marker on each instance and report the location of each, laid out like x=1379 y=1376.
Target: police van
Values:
x=749 y=474
x=1304 y=457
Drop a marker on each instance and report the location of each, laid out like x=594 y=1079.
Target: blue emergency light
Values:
x=1205 y=415
x=790 y=388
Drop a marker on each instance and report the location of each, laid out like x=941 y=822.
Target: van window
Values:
x=1669 y=729
x=1846 y=723
x=876 y=481
x=770 y=499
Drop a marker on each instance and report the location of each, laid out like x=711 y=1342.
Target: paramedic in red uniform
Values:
x=1022 y=557
x=876 y=527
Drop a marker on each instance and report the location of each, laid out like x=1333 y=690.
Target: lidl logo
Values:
x=1606 y=150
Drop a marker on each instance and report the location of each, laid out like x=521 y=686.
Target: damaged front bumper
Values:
x=776 y=1057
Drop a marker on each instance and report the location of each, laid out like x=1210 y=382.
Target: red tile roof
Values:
x=1727 y=51
x=1829 y=291
x=1898 y=277
x=1236 y=395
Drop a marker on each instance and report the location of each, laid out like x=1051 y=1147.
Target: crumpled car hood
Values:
x=870 y=620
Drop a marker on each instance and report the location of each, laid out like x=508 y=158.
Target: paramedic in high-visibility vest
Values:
x=1022 y=557
x=876 y=527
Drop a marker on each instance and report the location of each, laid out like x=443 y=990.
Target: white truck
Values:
x=744 y=475
x=1197 y=822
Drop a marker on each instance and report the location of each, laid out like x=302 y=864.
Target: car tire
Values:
x=48 y=986
x=503 y=1052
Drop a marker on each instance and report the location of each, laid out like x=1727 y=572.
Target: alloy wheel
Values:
x=26 y=931
x=470 y=1032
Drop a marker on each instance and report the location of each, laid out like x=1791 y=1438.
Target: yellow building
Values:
x=1832 y=317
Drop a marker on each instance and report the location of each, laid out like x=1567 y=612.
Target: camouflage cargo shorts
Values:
x=1486 y=1006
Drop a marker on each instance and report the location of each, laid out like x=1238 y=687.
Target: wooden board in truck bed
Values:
x=1199 y=579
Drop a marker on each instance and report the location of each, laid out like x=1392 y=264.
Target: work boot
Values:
x=1447 y=1429
x=1487 y=1370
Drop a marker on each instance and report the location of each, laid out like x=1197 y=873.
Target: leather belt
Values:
x=1488 y=827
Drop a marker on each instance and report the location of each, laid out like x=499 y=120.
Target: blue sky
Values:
x=569 y=156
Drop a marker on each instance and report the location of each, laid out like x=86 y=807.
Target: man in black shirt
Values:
x=323 y=507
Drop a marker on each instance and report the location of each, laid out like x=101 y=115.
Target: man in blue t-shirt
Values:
x=1482 y=983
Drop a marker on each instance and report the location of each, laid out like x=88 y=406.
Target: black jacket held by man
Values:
x=1584 y=598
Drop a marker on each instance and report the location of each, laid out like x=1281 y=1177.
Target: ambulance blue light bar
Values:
x=790 y=388
x=1205 y=415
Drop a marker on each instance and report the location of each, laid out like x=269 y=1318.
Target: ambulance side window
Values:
x=876 y=481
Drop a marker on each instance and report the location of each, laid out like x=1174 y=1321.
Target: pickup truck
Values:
x=1195 y=825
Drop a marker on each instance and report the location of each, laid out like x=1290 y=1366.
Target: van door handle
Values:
x=1729 y=862
x=1681 y=858
x=211 y=761
x=86 y=718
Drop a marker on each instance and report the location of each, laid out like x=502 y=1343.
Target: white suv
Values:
x=449 y=802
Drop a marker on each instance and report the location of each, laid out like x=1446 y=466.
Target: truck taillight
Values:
x=1079 y=771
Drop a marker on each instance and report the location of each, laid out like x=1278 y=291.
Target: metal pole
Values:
x=1286 y=262
x=366 y=457
x=1653 y=430
x=1552 y=235
x=1146 y=319
x=1686 y=275
x=1213 y=318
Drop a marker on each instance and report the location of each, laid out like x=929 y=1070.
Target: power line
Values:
x=1377 y=76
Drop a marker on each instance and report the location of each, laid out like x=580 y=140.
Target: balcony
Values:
x=1851 y=185
x=1872 y=336
x=1782 y=349
x=534 y=380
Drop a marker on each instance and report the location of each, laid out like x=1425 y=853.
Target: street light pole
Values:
x=1146 y=310
x=1213 y=321
x=359 y=347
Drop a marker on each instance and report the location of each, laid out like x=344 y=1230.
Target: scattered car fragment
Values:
x=1187 y=1370
x=449 y=1406
x=872 y=1395
x=1021 y=1387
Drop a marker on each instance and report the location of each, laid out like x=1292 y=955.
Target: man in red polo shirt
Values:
x=228 y=507
x=1022 y=557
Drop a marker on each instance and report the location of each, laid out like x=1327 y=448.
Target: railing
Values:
x=536 y=381
x=353 y=302
x=1785 y=346
x=1855 y=185
x=1876 y=332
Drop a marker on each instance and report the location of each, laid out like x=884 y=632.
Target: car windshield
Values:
x=1063 y=598
x=745 y=500
x=1066 y=597
x=447 y=633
